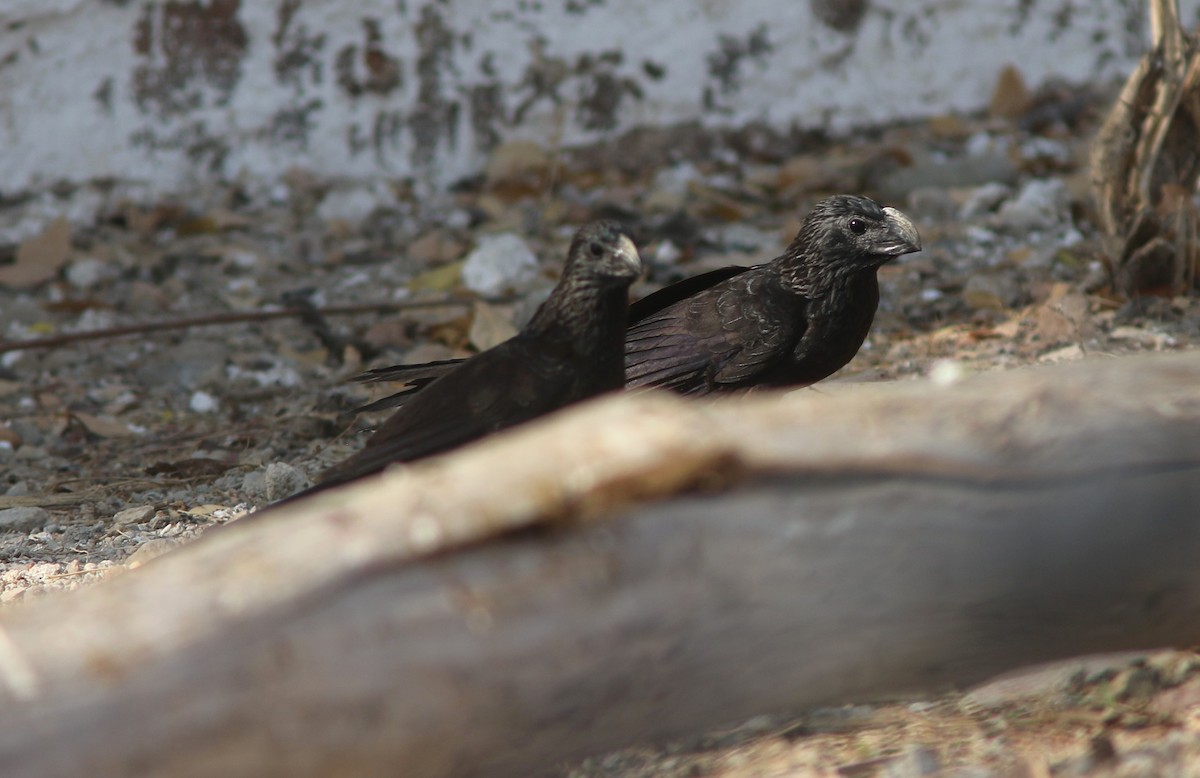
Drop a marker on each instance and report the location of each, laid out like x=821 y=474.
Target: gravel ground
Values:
x=114 y=450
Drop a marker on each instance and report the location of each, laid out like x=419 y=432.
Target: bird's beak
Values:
x=902 y=237
x=628 y=254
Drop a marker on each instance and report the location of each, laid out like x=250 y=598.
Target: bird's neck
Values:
x=813 y=278
x=586 y=314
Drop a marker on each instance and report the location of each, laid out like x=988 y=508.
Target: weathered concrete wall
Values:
x=165 y=91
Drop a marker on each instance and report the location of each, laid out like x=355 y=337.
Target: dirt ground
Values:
x=115 y=449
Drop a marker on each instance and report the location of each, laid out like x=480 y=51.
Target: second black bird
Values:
x=569 y=351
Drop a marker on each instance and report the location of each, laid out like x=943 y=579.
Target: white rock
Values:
x=350 y=205
x=89 y=272
x=457 y=219
x=283 y=480
x=93 y=319
x=947 y=372
x=23 y=519
x=203 y=402
x=675 y=179
x=983 y=199
x=499 y=262
x=667 y=253
x=276 y=375
x=1038 y=205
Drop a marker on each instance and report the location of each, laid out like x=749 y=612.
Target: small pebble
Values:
x=23 y=519
x=151 y=549
x=134 y=515
x=15 y=593
x=203 y=402
x=283 y=480
x=1038 y=205
x=498 y=263
x=89 y=272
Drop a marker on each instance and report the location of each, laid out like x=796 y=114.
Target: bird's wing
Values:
x=417 y=377
x=680 y=290
x=722 y=337
x=503 y=386
x=425 y=371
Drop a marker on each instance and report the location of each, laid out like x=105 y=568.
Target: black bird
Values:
x=789 y=322
x=569 y=351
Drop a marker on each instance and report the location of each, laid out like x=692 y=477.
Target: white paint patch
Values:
x=425 y=89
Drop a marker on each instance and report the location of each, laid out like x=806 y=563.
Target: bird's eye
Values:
x=858 y=226
x=596 y=249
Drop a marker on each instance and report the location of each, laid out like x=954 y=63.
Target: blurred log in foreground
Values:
x=1146 y=161
x=696 y=564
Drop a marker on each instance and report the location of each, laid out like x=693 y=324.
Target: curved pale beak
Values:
x=628 y=254
x=902 y=237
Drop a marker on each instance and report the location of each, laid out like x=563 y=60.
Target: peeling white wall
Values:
x=171 y=91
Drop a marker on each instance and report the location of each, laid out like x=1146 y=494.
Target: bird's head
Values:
x=603 y=250
x=856 y=233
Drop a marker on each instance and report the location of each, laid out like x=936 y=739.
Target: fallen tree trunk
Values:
x=683 y=565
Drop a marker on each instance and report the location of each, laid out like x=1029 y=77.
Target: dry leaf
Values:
x=148 y=550
x=10 y=436
x=206 y=510
x=1008 y=329
x=104 y=426
x=1011 y=98
x=39 y=258
x=489 y=327
x=518 y=169
x=1053 y=327
x=439 y=279
x=436 y=247
x=225 y=219
x=949 y=126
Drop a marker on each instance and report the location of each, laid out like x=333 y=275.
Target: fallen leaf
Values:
x=1007 y=329
x=452 y=333
x=1064 y=318
x=439 y=279
x=206 y=510
x=1053 y=327
x=1010 y=98
x=489 y=327
x=148 y=550
x=1064 y=354
x=104 y=426
x=1156 y=340
x=225 y=219
x=948 y=125
x=39 y=258
x=518 y=169
x=10 y=436
x=436 y=247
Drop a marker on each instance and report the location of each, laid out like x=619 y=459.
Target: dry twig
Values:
x=220 y=319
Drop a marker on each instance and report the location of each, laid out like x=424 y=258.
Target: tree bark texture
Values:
x=639 y=568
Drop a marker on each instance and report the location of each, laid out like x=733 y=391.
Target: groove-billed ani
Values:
x=570 y=350
x=789 y=322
